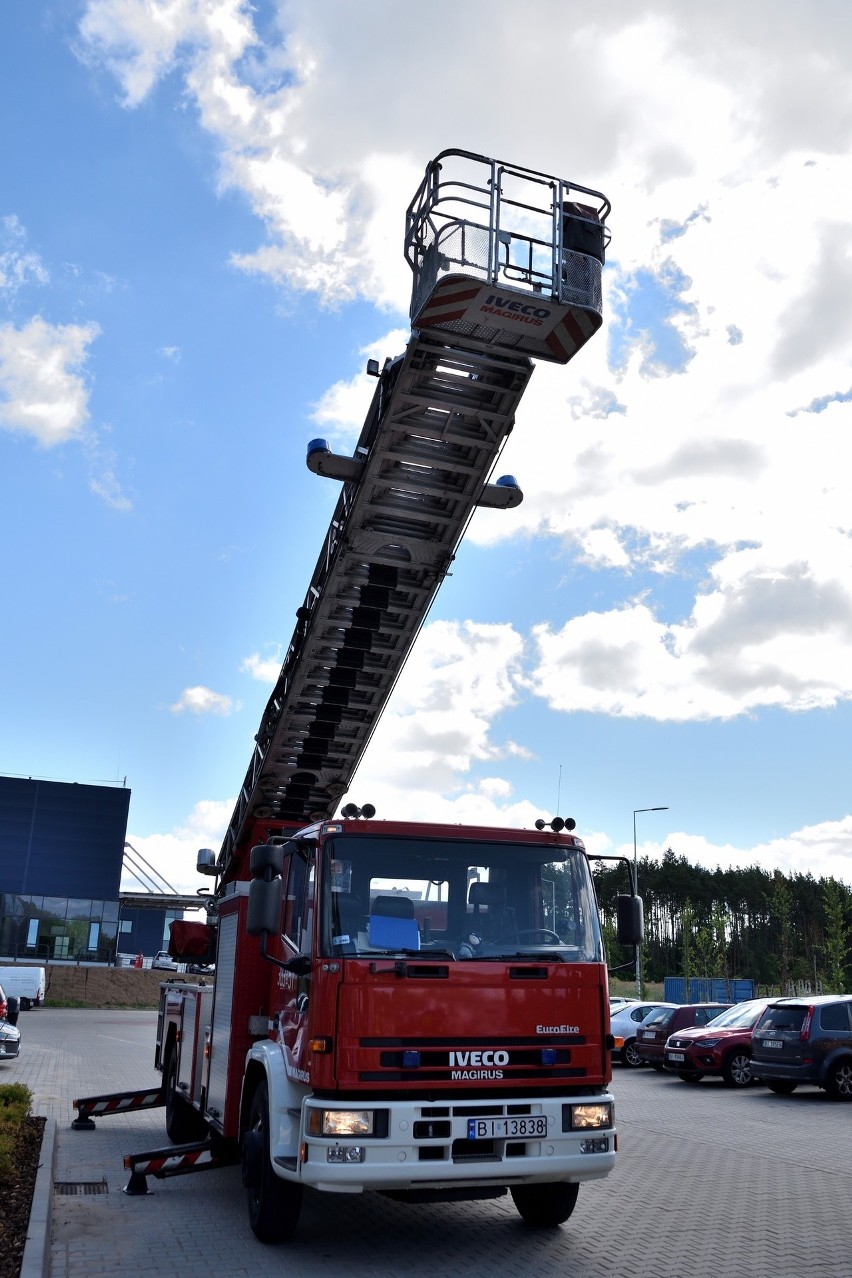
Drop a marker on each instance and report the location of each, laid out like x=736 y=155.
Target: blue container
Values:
x=707 y=989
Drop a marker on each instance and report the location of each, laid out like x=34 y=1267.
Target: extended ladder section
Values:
x=496 y=281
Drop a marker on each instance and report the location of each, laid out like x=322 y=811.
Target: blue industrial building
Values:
x=61 y=853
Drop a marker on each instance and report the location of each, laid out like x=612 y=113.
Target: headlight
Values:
x=587 y=1117
x=707 y=1042
x=340 y=1122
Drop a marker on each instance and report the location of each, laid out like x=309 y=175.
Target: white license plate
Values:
x=508 y=1128
x=675 y=1056
x=648 y=1034
x=771 y=1042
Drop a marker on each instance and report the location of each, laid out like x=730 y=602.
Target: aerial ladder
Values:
x=507 y=269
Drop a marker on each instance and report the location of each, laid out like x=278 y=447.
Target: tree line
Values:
x=787 y=932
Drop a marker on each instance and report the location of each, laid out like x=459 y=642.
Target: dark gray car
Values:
x=805 y=1040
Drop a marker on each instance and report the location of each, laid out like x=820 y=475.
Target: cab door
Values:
x=298 y=930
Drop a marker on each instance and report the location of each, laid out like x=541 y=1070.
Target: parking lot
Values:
x=709 y=1182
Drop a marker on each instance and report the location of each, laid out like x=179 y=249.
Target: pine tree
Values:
x=835 y=898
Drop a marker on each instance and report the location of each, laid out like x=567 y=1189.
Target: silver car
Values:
x=624 y=1023
x=10 y=1041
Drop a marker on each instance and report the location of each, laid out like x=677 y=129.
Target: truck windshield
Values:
x=458 y=900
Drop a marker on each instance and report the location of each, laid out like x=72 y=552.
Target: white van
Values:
x=24 y=983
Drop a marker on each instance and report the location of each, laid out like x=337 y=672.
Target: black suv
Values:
x=805 y=1040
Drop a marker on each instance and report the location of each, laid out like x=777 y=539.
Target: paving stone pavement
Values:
x=710 y=1183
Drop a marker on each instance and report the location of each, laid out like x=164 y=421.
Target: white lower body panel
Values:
x=411 y=1156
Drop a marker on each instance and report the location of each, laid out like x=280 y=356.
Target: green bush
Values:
x=15 y=1108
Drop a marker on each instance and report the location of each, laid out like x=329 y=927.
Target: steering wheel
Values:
x=540 y=936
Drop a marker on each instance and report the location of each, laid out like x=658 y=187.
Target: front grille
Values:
x=434 y=1126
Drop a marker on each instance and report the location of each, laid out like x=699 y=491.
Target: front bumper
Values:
x=694 y=1062
x=9 y=1047
x=427 y=1146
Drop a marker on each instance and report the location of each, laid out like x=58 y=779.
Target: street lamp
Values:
x=636 y=889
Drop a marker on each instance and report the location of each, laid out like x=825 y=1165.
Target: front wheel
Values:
x=839 y=1081
x=273 y=1204
x=545 y=1206
x=630 y=1054
x=736 y=1071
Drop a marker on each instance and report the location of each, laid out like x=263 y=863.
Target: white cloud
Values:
x=769 y=635
x=140 y=40
x=264 y=669
x=458 y=680
x=200 y=700
x=43 y=392
x=824 y=849
x=18 y=265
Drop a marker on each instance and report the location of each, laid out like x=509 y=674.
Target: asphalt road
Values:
x=709 y=1182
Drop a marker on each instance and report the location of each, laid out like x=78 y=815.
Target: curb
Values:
x=36 y=1256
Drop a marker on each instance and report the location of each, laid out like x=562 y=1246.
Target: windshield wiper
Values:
x=540 y=956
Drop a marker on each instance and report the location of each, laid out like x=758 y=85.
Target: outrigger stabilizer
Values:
x=171 y=1160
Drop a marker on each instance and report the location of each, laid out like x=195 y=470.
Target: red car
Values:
x=723 y=1047
x=655 y=1030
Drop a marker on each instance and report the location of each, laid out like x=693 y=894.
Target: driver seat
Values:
x=491 y=917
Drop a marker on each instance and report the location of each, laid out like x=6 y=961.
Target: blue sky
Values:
x=201 y=216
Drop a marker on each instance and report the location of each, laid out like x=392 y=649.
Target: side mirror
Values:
x=205 y=861
x=301 y=965
x=264 y=907
x=630 y=925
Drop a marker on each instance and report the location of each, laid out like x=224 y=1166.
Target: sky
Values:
x=201 y=245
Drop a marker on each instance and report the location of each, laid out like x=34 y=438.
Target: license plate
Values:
x=648 y=1034
x=510 y=1128
x=771 y=1042
x=675 y=1056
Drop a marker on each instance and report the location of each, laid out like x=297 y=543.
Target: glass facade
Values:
x=55 y=927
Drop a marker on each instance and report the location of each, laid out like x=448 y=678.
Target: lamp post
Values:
x=636 y=811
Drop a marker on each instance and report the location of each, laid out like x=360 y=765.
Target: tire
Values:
x=630 y=1054
x=184 y=1125
x=838 y=1081
x=273 y=1204
x=781 y=1086
x=26 y=1004
x=656 y=1065
x=736 y=1069
x=545 y=1206
x=686 y=1077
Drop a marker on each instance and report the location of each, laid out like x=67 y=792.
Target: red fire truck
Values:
x=416 y=1009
